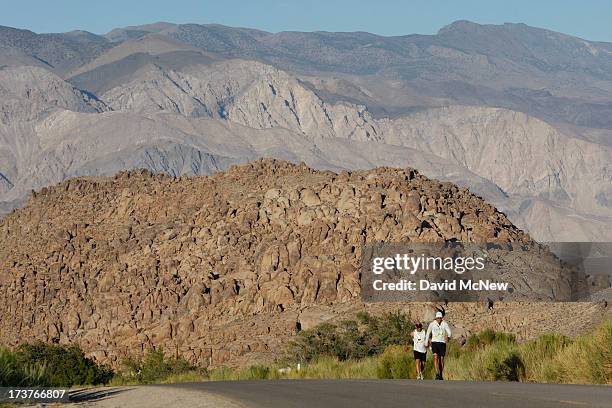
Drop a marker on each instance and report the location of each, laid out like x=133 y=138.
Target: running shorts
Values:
x=438 y=348
x=419 y=356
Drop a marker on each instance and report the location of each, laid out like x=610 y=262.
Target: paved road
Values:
x=403 y=393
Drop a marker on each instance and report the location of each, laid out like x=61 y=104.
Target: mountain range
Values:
x=520 y=115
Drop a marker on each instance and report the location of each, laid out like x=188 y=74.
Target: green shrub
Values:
x=537 y=356
x=486 y=356
x=366 y=347
x=155 y=366
x=367 y=335
x=258 y=372
x=222 y=374
x=9 y=372
x=65 y=366
x=487 y=337
x=13 y=373
x=36 y=375
x=505 y=365
x=188 y=376
x=587 y=360
x=396 y=362
x=253 y=372
x=326 y=367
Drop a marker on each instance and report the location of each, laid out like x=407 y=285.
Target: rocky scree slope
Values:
x=222 y=269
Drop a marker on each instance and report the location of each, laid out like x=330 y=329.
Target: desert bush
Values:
x=486 y=356
x=487 y=337
x=257 y=372
x=327 y=367
x=537 y=356
x=253 y=372
x=364 y=336
x=64 y=366
x=14 y=373
x=587 y=360
x=349 y=349
x=395 y=362
x=197 y=375
x=222 y=374
x=505 y=364
x=155 y=366
x=10 y=374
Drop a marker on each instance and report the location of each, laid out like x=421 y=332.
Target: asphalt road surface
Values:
x=403 y=393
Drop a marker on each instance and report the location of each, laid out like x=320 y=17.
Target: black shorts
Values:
x=419 y=356
x=438 y=348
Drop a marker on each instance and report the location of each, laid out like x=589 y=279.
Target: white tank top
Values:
x=418 y=339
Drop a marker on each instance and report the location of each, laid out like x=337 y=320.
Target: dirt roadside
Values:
x=145 y=397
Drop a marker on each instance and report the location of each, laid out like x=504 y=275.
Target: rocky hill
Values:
x=224 y=269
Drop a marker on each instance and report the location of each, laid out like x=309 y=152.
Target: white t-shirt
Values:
x=418 y=340
x=438 y=332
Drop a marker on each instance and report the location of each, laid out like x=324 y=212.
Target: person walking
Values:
x=438 y=334
x=419 y=349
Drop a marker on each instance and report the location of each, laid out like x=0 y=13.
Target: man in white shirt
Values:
x=438 y=334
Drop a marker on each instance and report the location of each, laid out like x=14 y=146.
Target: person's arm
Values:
x=407 y=345
x=448 y=331
x=428 y=335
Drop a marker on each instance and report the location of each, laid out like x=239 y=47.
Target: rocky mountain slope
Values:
x=246 y=258
x=43 y=89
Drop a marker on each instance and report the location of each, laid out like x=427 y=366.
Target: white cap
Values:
x=439 y=314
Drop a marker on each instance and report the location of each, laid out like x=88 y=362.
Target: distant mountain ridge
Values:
x=465 y=62
x=61 y=52
x=518 y=114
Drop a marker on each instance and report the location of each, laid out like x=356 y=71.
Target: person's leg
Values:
x=442 y=355
x=436 y=365
x=418 y=367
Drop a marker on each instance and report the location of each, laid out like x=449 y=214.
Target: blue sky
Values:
x=589 y=19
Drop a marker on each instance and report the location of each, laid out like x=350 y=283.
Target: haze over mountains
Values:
x=520 y=115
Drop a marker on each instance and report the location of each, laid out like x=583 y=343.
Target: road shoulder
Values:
x=148 y=397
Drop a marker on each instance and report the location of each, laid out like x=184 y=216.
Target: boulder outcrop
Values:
x=219 y=269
